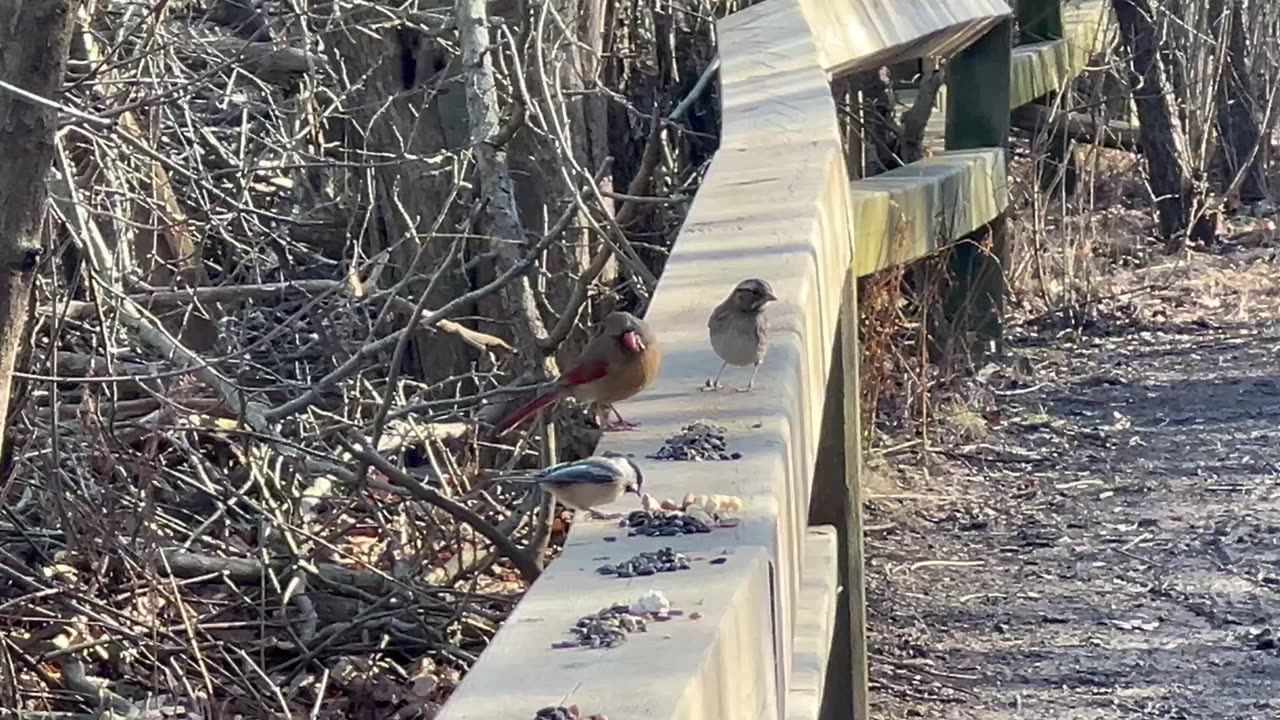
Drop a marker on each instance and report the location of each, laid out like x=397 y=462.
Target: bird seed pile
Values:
x=694 y=443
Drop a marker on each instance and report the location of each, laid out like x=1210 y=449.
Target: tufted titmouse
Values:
x=590 y=482
x=740 y=330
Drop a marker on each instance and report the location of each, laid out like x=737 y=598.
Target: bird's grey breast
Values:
x=739 y=338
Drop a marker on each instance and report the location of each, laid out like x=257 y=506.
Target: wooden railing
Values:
x=774 y=636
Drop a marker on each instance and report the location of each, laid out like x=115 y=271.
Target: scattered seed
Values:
x=560 y=712
x=695 y=442
x=609 y=627
x=665 y=523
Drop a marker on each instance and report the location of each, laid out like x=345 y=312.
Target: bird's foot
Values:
x=597 y=515
x=710 y=386
x=619 y=425
x=743 y=389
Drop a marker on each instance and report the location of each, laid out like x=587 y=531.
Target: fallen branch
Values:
x=506 y=546
x=1078 y=127
x=81 y=310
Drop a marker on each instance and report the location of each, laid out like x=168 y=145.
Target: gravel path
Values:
x=1099 y=537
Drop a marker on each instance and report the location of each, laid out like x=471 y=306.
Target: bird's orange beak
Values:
x=631 y=341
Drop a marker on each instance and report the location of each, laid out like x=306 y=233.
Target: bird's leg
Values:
x=713 y=385
x=752 y=382
x=622 y=424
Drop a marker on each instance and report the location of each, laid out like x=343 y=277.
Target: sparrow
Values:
x=739 y=329
x=619 y=362
x=585 y=484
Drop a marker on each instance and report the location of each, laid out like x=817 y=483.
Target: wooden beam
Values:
x=1079 y=128
x=1037 y=70
x=1040 y=22
x=855 y=35
x=815 y=623
x=913 y=211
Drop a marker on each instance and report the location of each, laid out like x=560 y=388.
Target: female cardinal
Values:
x=740 y=330
x=619 y=362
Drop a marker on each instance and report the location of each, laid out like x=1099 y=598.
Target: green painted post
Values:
x=977 y=117
x=1038 y=20
x=978 y=91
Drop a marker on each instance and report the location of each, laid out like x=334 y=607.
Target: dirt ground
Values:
x=1095 y=531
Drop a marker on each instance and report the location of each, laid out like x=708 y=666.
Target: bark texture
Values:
x=34 y=36
x=1164 y=142
x=1239 y=134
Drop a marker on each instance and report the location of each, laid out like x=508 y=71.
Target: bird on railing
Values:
x=619 y=362
x=591 y=482
x=739 y=329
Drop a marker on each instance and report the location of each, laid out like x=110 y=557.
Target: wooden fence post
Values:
x=1038 y=20
x=853 y=571
x=978 y=116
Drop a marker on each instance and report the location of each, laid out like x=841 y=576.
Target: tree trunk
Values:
x=1164 y=143
x=1238 y=132
x=407 y=109
x=655 y=55
x=34 y=37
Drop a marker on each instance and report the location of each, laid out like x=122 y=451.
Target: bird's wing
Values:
x=584 y=471
x=586 y=371
x=720 y=314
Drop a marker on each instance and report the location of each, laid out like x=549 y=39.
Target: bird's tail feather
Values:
x=526 y=412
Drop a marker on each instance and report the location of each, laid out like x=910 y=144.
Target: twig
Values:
x=356 y=361
x=568 y=319
x=527 y=567
x=703 y=81
x=81 y=310
x=38 y=100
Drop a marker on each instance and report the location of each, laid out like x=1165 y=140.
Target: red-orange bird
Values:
x=619 y=362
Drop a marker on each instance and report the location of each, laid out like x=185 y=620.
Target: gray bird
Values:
x=740 y=329
x=590 y=482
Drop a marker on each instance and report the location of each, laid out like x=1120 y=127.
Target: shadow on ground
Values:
x=1109 y=547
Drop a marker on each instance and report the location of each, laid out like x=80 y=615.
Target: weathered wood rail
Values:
x=778 y=637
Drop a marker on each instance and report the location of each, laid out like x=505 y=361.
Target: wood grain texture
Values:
x=913 y=211
x=857 y=35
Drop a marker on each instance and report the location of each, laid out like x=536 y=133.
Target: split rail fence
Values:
x=781 y=629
